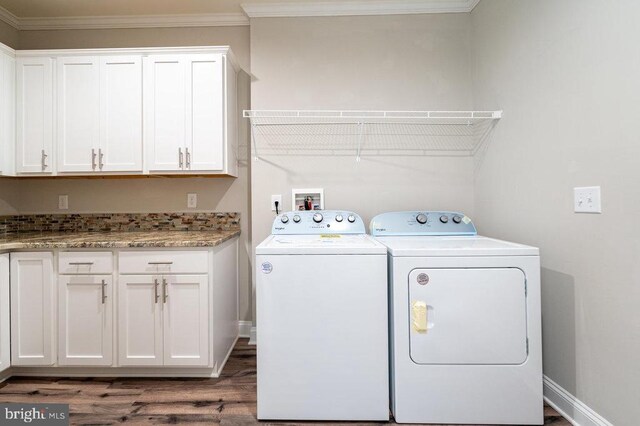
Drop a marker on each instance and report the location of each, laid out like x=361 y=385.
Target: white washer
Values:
x=465 y=323
x=322 y=320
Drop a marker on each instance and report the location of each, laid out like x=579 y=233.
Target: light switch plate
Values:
x=63 y=202
x=275 y=198
x=587 y=199
x=192 y=201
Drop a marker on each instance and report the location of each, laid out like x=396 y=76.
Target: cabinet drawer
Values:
x=85 y=262
x=164 y=262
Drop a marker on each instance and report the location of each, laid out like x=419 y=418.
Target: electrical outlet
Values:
x=63 y=202
x=275 y=198
x=192 y=201
x=587 y=200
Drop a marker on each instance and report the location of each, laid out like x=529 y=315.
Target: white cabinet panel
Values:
x=5 y=336
x=32 y=320
x=139 y=320
x=186 y=320
x=165 y=103
x=205 y=113
x=34 y=109
x=120 y=114
x=85 y=332
x=7 y=114
x=78 y=114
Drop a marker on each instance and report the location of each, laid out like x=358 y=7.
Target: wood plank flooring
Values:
x=228 y=400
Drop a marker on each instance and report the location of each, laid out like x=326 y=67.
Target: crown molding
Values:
x=129 y=21
x=357 y=7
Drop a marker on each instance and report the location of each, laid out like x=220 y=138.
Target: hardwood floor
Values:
x=228 y=400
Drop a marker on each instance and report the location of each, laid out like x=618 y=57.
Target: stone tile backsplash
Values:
x=106 y=222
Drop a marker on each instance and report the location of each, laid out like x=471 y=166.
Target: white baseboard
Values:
x=244 y=328
x=252 y=338
x=571 y=408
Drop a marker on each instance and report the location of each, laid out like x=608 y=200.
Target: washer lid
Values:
x=405 y=246
x=320 y=244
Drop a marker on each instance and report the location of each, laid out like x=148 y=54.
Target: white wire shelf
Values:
x=369 y=132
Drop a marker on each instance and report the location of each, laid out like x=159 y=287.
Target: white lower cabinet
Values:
x=32 y=319
x=163 y=320
x=5 y=316
x=85 y=320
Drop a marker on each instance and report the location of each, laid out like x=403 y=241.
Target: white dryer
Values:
x=322 y=320
x=465 y=323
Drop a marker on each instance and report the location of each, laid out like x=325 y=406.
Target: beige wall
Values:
x=141 y=194
x=411 y=62
x=566 y=74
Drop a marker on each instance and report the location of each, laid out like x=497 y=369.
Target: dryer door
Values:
x=467 y=316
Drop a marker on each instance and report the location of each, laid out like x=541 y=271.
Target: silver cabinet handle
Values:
x=160 y=263
x=188 y=165
x=104 y=293
x=155 y=290
x=80 y=263
x=180 y=158
x=165 y=290
x=93 y=158
x=44 y=160
x=100 y=158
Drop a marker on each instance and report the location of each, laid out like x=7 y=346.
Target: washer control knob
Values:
x=296 y=218
x=284 y=219
x=444 y=218
x=421 y=218
x=317 y=218
x=457 y=219
x=351 y=218
x=339 y=218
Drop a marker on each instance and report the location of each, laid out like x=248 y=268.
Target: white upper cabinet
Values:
x=120 y=147
x=34 y=110
x=7 y=113
x=99 y=114
x=5 y=316
x=78 y=113
x=188 y=125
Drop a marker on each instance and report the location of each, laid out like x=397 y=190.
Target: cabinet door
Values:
x=120 y=114
x=205 y=113
x=7 y=114
x=139 y=320
x=32 y=320
x=85 y=320
x=186 y=320
x=78 y=104
x=165 y=105
x=34 y=109
x=5 y=337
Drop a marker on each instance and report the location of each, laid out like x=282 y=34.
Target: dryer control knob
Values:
x=457 y=219
x=339 y=218
x=351 y=218
x=444 y=218
x=284 y=219
x=421 y=218
x=296 y=218
x=317 y=218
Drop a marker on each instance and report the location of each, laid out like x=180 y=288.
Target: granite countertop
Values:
x=115 y=239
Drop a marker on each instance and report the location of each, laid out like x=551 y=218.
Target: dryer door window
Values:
x=467 y=316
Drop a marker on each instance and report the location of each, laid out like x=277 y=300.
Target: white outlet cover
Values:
x=63 y=202
x=275 y=198
x=192 y=201
x=587 y=199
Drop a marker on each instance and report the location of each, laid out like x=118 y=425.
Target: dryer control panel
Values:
x=421 y=223
x=315 y=222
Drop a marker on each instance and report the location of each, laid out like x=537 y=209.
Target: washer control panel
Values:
x=313 y=222
x=421 y=223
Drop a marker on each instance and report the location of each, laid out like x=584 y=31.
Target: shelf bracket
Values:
x=253 y=140
x=360 y=137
